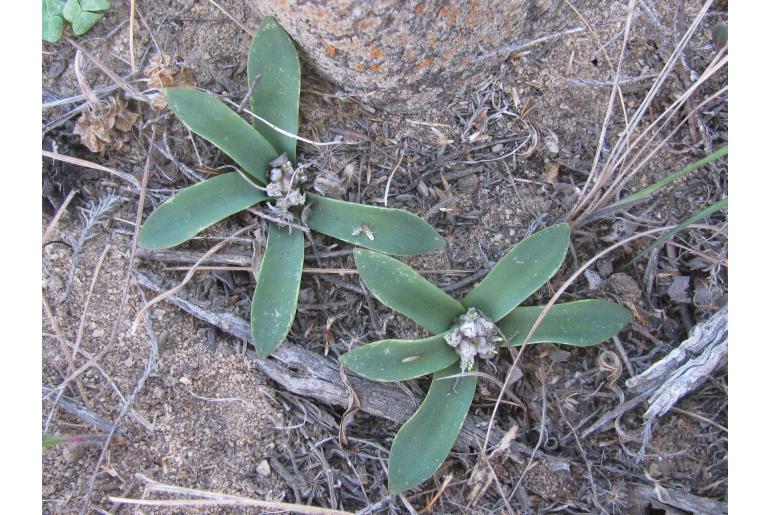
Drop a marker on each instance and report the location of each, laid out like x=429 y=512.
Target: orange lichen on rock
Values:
x=360 y=68
x=374 y=67
x=425 y=63
x=330 y=50
x=419 y=9
x=375 y=52
x=451 y=18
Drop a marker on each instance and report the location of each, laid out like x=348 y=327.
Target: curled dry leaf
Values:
x=162 y=73
x=106 y=125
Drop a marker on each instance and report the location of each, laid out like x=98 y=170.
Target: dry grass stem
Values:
x=131 y=23
x=58 y=215
x=130 y=90
x=127 y=282
x=245 y=29
x=187 y=277
x=390 y=178
x=619 y=153
x=432 y=501
x=93 y=166
x=548 y=307
x=83 y=317
x=63 y=345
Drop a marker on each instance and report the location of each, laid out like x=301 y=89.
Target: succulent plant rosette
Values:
x=464 y=334
x=266 y=172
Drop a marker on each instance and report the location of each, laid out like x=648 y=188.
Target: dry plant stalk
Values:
x=632 y=149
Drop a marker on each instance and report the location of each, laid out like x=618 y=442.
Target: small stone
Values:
x=624 y=285
x=679 y=289
x=497 y=148
x=551 y=172
x=594 y=279
x=185 y=381
x=72 y=453
x=469 y=183
x=97 y=333
x=263 y=469
x=604 y=267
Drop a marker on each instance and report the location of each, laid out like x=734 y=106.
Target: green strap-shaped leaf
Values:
x=649 y=190
x=275 y=98
x=581 y=323
x=518 y=274
x=211 y=119
x=393 y=231
x=193 y=209
x=52 y=440
x=400 y=288
x=275 y=297
x=703 y=213
x=400 y=360
x=424 y=441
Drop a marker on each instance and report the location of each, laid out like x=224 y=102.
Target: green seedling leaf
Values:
x=52 y=440
x=83 y=14
x=211 y=119
x=53 y=23
x=580 y=323
x=400 y=288
x=275 y=98
x=400 y=360
x=94 y=5
x=424 y=441
x=393 y=231
x=649 y=190
x=275 y=297
x=524 y=269
x=719 y=35
x=193 y=209
x=703 y=213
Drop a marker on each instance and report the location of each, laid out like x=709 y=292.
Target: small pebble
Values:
x=263 y=469
x=497 y=148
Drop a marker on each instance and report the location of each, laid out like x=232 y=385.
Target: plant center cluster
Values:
x=284 y=185
x=473 y=335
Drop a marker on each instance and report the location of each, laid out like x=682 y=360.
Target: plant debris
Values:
x=163 y=74
x=106 y=125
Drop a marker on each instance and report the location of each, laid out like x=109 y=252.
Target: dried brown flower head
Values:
x=106 y=125
x=163 y=74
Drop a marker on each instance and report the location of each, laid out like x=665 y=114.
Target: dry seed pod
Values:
x=97 y=127
x=161 y=73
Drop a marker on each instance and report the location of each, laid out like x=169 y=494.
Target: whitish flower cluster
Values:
x=284 y=184
x=473 y=335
